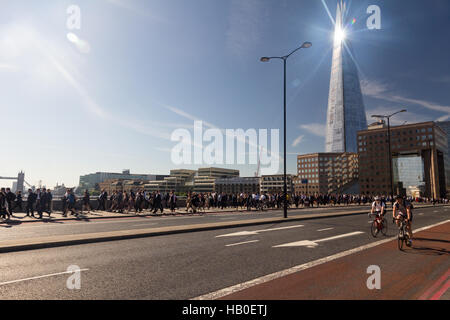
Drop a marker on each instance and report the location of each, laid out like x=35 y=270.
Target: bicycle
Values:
x=403 y=236
x=378 y=224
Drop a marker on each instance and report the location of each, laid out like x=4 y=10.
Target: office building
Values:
x=238 y=185
x=327 y=173
x=92 y=181
x=275 y=183
x=419 y=158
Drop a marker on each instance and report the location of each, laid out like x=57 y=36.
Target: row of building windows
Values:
x=395 y=133
x=401 y=146
x=320 y=159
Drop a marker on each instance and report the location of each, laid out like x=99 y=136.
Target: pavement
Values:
x=204 y=263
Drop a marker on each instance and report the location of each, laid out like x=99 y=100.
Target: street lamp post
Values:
x=389 y=146
x=284 y=58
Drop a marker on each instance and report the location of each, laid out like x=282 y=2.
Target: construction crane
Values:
x=258 y=168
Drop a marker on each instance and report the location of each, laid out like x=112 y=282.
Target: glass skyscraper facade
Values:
x=346 y=113
x=409 y=170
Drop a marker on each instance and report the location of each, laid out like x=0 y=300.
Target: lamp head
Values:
x=306 y=45
x=265 y=59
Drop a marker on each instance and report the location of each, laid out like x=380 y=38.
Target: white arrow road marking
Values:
x=238 y=244
x=313 y=244
x=326 y=229
x=256 y=232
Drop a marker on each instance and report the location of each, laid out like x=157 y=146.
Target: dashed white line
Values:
x=40 y=277
x=238 y=244
x=326 y=229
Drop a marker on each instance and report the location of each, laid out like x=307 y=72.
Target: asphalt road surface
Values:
x=189 y=265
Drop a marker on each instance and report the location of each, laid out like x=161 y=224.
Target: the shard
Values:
x=346 y=113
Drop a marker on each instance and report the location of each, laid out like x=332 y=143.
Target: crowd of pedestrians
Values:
x=41 y=201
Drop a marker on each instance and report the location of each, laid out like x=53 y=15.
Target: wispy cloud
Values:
x=382 y=91
x=317 y=129
x=188 y=116
x=129 y=6
x=49 y=51
x=298 y=140
x=443 y=79
x=244 y=31
x=401 y=118
x=8 y=67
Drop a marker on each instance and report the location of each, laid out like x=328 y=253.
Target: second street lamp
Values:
x=305 y=45
x=388 y=117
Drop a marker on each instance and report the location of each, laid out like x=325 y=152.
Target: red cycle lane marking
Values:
x=435 y=286
x=441 y=291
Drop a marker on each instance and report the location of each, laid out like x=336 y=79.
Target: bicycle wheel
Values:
x=384 y=228
x=374 y=228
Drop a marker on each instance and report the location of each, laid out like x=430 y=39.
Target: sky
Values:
x=107 y=96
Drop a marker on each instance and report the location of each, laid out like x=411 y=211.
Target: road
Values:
x=189 y=265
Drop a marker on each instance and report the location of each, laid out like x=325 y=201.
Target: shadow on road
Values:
x=433 y=240
x=428 y=251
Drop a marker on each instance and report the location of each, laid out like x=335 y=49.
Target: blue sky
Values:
x=149 y=67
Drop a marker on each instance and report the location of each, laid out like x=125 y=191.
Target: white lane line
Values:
x=143 y=224
x=326 y=229
x=315 y=243
x=40 y=277
x=250 y=233
x=238 y=244
x=245 y=285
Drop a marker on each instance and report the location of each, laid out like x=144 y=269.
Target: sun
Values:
x=339 y=35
